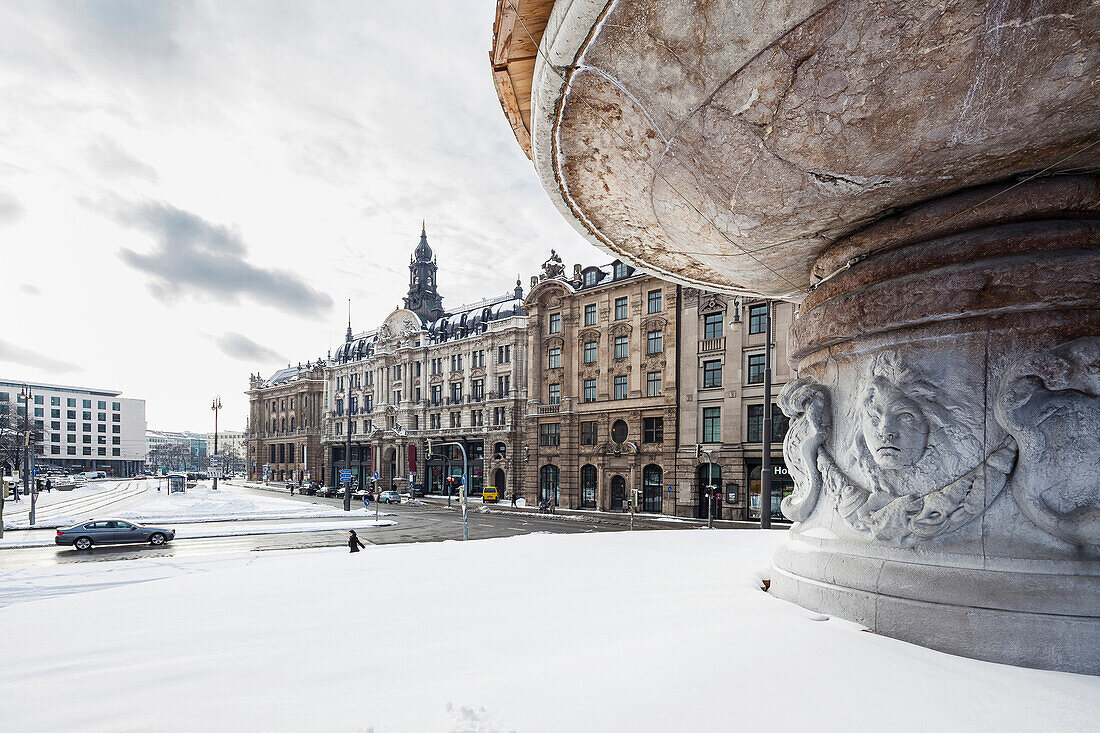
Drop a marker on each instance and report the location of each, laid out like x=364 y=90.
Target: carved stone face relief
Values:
x=894 y=428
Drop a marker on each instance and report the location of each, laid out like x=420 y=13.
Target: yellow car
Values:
x=490 y=493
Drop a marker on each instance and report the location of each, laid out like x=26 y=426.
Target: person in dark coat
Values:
x=353 y=541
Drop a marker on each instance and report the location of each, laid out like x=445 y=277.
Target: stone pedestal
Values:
x=945 y=435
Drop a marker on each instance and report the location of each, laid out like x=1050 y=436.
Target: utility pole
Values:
x=766 y=457
x=347 y=446
x=216 y=405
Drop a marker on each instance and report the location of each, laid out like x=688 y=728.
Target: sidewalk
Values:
x=505 y=507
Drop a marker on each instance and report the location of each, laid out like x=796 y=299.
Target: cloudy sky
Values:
x=190 y=191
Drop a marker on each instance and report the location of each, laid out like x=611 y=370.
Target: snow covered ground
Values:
x=643 y=631
x=141 y=502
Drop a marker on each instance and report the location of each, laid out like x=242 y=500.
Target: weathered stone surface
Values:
x=944 y=438
x=730 y=143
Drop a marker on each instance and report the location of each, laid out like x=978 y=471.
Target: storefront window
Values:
x=588 y=486
x=781 y=487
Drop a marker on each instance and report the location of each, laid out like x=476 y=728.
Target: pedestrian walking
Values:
x=49 y=485
x=292 y=489
x=514 y=499
x=353 y=541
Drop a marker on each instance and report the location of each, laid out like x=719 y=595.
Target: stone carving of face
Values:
x=894 y=427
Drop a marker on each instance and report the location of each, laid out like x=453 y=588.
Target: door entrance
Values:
x=498 y=481
x=708 y=474
x=618 y=493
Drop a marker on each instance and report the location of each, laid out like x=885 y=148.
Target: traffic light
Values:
x=429 y=446
x=698 y=450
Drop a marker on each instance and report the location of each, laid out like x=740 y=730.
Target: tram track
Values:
x=84 y=504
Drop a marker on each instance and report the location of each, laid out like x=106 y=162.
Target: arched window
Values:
x=651 y=488
x=292 y=423
x=549 y=483
x=588 y=485
x=500 y=450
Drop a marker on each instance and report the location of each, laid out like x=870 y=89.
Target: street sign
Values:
x=345 y=474
x=376 y=475
x=463 y=479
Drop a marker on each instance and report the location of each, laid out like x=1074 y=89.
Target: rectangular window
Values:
x=456 y=392
x=101 y=428
x=116 y=441
x=477 y=388
x=116 y=418
x=620 y=308
x=756 y=369
x=654 y=301
x=86 y=414
x=590 y=351
x=590 y=314
x=39 y=412
x=54 y=401
x=397 y=397
x=70 y=438
x=116 y=452
x=654 y=342
x=550 y=434
x=434 y=421
x=653 y=430
x=504 y=354
x=555 y=323
x=554 y=397
x=70 y=450
x=653 y=384
x=101 y=451
x=70 y=402
x=712 y=326
x=437 y=394
x=589 y=431
x=55 y=449
x=116 y=406
x=757 y=315
x=339 y=406
x=712 y=424
x=499 y=415
x=590 y=390
x=554 y=361
x=87 y=404
x=456 y=419
x=71 y=414
x=504 y=385
x=620 y=387
x=622 y=347
x=712 y=373
x=115 y=429
x=754 y=432
x=100 y=405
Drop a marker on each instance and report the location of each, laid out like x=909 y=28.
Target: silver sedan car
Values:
x=111 y=532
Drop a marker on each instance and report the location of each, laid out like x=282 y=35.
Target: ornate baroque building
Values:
x=284 y=425
x=601 y=410
x=456 y=376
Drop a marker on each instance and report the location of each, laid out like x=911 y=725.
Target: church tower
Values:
x=423 y=298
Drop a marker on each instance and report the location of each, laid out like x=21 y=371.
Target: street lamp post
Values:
x=216 y=405
x=766 y=457
x=463 y=490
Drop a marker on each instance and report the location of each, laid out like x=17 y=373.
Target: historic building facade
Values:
x=722 y=343
x=428 y=373
x=284 y=425
x=601 y=410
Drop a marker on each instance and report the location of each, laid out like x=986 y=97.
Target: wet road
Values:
x=414 y=524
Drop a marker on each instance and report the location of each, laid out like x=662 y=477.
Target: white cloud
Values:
x=314 y=136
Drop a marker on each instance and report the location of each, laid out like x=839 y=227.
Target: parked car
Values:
x=490 y=494
x=328 y=492
x=111 y=532
x=389 y=497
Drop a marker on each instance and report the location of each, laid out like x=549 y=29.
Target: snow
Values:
x=633 y=631
x=141 y=502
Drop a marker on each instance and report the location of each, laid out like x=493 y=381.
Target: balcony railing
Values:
x=715 y=344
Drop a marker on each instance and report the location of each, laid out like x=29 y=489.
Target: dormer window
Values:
x=620 y=271
x=589 y=278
